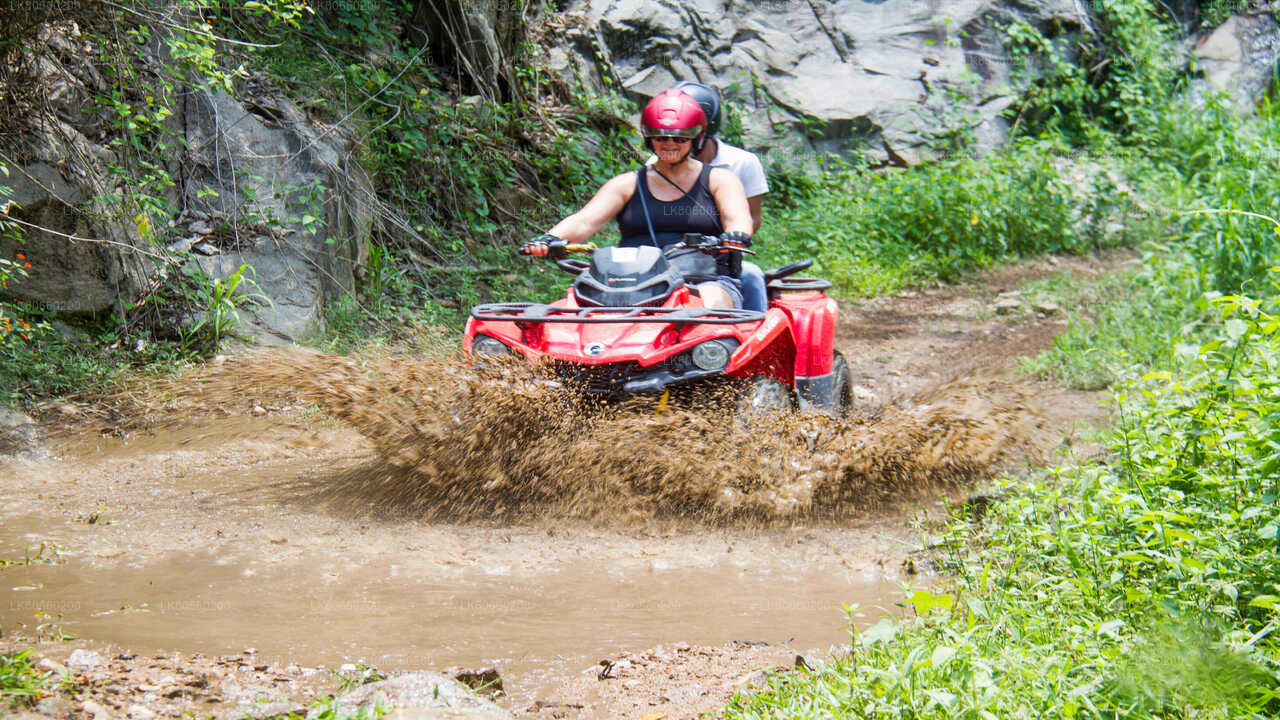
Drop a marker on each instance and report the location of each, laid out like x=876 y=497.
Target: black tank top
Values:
x=695 y=211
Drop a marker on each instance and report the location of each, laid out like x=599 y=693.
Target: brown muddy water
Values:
x=535 y=627
x=411 y=514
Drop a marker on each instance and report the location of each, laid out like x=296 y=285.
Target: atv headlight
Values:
x=485 y=346
x=711 y=355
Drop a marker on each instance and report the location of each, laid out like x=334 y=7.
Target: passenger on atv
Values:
x=660 y=204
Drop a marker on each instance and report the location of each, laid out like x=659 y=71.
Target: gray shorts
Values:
x=733 y=286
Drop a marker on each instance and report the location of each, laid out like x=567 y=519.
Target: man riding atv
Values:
x=661 y=203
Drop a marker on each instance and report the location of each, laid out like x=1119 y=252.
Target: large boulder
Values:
x=83 y=260
x=887 y=77
x=259 y=185
x=1239 y=58
x=266 y=189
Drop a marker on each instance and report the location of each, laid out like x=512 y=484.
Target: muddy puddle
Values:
x=535 y=627
x=411 y=514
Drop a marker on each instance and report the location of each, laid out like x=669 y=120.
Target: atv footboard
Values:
x=531 y=313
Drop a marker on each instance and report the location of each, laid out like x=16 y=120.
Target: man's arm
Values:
x=754 y=202
x=735 y=214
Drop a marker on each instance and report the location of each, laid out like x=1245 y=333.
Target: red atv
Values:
x=630 y=326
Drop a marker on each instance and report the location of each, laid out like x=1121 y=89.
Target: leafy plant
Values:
x=221 y=301
x=21 y=683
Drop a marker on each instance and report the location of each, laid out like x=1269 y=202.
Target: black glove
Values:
x=544 y=245
x=730 y=263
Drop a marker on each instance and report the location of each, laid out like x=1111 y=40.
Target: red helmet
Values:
x=673 y=114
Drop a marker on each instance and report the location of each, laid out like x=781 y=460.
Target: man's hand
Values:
x=732 y=245
x=548 y=246
x=736 y=239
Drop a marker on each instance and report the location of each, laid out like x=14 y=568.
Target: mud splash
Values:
x=455 y=444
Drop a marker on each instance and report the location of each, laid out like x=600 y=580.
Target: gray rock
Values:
x=885 y=78
x=182 y=245
x=1047 y=308
x=1238 y=57
x=1007 y=305
x=19 y=434
x=268 y=165
x=81 y=659
x=280 y=172
x=421 y=696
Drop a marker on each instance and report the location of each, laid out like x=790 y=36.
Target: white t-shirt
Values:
x=745 y=164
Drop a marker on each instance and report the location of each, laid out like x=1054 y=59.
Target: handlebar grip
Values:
x=536 y=250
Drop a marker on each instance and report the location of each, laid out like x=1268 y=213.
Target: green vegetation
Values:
x=874 y=233
x=1144 y=587
x=21 y=683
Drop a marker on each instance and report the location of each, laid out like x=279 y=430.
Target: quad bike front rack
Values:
x=532 y=313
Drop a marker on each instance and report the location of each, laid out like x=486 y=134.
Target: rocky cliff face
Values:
x=888 y=77
x=891 y=78
x=256 y=183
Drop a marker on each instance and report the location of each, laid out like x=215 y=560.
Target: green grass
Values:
x=21 y=683
x=877 y=232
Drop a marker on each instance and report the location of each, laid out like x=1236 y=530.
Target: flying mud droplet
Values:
x=456 y=443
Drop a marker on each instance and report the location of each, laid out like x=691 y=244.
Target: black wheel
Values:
x=843 y=389
x=761 y=397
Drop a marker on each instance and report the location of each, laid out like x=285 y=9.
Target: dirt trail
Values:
x=408 y=514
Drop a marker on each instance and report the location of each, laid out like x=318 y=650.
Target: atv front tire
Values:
x=842 y=390
x=763 y=396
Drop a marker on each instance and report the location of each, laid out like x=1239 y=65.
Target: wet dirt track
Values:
x=443 y=520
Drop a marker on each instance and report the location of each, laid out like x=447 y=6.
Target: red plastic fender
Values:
x=774 y=324
x=813 y=321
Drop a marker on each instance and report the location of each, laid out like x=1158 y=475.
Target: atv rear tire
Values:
x=843 y=388
x=763 y=396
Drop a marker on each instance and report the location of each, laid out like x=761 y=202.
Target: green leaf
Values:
x=1236 y=328
x=882 y=632
x=1270 y=602
x=941 y=656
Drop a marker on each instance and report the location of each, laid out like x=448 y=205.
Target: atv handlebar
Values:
x=544 y=249
x=712 y=245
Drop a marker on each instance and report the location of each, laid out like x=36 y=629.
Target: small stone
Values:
x=251 y=651
x=205 y=248
x=347 y=667
x=84 y=659
x=183 y=245
x=258 y=410
x=94 y=711
x=1007 y=305
x=52 y=666
x=1047 y=308
x=140 y=712
x=484 y=679
x=200 y=227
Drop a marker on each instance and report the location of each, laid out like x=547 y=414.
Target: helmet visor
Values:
x=660 y=132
